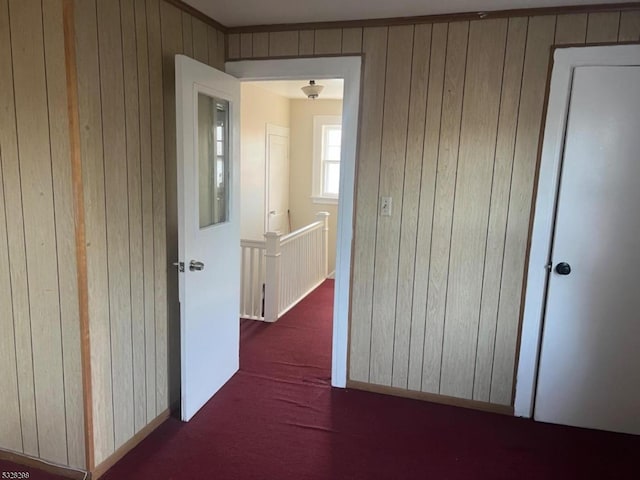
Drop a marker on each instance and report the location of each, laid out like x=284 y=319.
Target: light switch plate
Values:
x=385 y=206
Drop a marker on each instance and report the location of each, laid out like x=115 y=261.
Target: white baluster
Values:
x=324 y=218
x=272 y=289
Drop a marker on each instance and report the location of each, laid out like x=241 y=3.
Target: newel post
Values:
x=272 y=276
x=324 y=218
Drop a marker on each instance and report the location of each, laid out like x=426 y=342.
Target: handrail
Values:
x=280 y=271
x=253 y=243
x=301 y=231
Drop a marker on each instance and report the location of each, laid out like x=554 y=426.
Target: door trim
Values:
x=347 y=68
x=272 y=129
x=565 y=60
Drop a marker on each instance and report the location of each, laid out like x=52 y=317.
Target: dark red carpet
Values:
x=278 y=418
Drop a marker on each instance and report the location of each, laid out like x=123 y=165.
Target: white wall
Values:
x=258 y=108
x=302 y=208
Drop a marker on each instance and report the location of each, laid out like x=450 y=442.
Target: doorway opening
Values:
x=346 y=69
x=290 y=140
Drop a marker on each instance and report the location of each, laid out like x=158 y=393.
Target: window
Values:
x=327 y=141
x=213 y=160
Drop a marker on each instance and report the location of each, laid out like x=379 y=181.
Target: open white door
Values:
x=208 y=152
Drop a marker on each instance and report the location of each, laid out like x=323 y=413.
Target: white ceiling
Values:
x=234 y=13
x=291 y=88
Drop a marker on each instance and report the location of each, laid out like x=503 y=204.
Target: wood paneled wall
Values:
x=449 y=128
x=41 y=399
x=125 y=55
x=451 y=116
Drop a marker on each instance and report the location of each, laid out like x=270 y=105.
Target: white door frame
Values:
x=347 y=68
x=565 y=61
x=272 y=129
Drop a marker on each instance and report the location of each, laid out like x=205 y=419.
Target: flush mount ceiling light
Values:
x=312 y=90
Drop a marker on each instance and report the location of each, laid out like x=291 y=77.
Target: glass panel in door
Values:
x=213 y=160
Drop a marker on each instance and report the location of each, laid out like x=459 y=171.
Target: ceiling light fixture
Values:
x=312 y=91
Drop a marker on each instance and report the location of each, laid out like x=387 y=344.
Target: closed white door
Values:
x=207 y=121
x=277 y=179
x=589 y=374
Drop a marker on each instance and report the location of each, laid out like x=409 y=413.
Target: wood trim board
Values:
x=28 y=461
x=431 y=397
x=78 y=204
x=101 y=469
x=441 y=18
x=389 y=21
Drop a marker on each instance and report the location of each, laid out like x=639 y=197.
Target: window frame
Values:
x=318 y=195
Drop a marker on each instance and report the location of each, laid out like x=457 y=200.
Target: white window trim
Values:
x=317 y=196
x=320 y=200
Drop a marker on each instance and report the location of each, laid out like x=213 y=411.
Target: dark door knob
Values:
x=563 y=268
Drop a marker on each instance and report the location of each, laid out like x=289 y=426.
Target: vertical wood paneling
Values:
x=603 y=27
x=485 y=59
x=456 y=165
x=187 y=34
x=16 y=254
x=393 y=154
x=629 y=26
x=351 y=40
x=121 y=107
x=571 y=29
x=222 y=47
x=410 y=202
x=39 y=225
x=65 y=230
x=328 y=41
x=10 y=413
x=159 y=201
x=443 y=206
x=132 y=129
x=168 y=369
x=200 y=41
x=283 y=44
x=215 y=59
x=307 y=41
x=375 y=47
x=233 y=46
x=509 y=103
x=212 y=47
x=117 y=207
x=147 y=209
x=246 y=45
x=90 y=108
x=540 y=36
x=425 y=207
x=260 y=42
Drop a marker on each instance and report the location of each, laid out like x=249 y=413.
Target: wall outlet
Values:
x=385 y=206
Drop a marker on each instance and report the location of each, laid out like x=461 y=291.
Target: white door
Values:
x=589 y=372
x=277 y=187
x=207 y=127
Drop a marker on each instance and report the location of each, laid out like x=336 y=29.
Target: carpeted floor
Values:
x=278 y=418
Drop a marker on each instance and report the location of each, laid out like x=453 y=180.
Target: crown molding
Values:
x=451 y=17
x=393 y=21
